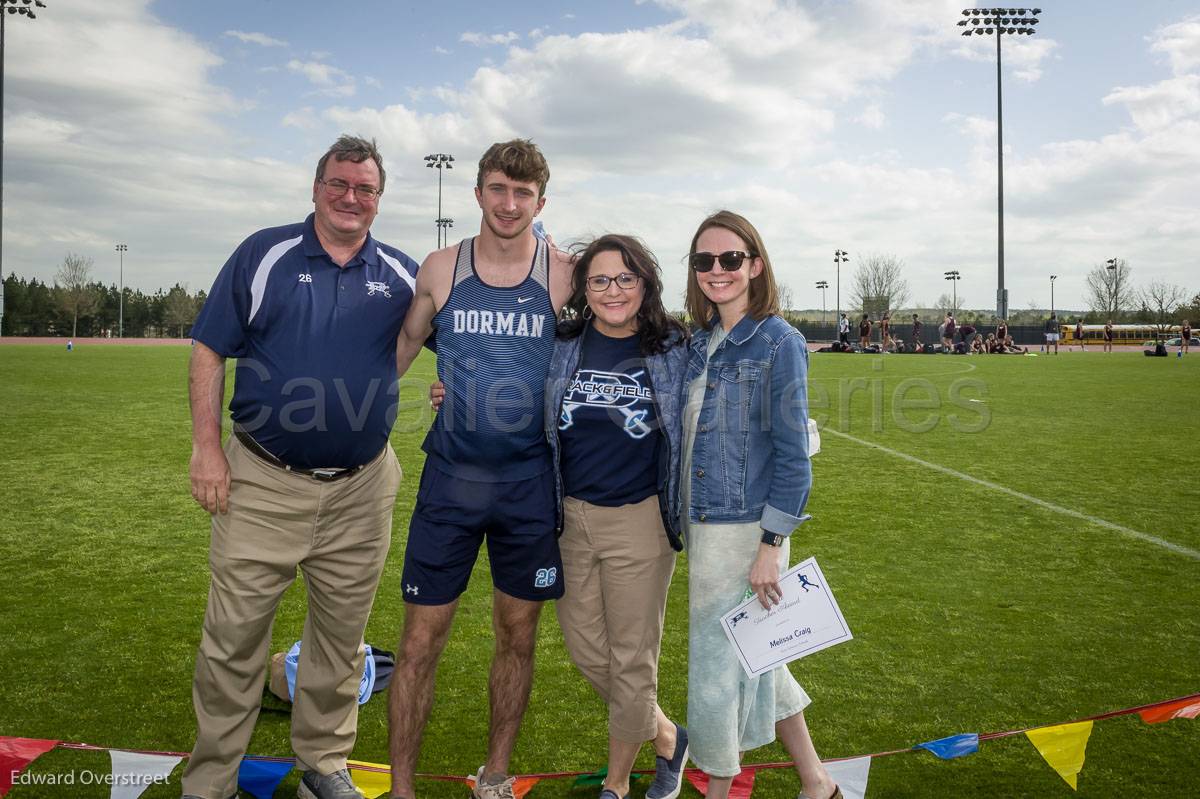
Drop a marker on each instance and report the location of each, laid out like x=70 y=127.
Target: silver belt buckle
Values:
x=324 y=474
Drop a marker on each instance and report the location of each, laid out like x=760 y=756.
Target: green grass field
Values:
x=973 y=609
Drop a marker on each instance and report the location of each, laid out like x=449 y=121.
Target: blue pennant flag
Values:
x=261 y=777
x=954 y=746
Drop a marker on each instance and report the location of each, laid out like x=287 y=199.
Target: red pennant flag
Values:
x=742 y=785
x=16 y=754
x=1181 y=709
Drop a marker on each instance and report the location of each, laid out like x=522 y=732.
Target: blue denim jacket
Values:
x=750 y=458
x=666 y=373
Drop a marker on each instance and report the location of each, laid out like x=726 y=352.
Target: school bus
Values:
x=1122 y=334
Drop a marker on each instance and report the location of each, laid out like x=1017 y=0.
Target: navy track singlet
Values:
x=493 y=354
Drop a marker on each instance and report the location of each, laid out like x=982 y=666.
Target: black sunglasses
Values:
x=730 y=261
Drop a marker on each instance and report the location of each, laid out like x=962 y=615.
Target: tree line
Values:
x=878 y=285
x=76 y=305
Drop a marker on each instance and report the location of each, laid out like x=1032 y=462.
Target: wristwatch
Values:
x=773 y=539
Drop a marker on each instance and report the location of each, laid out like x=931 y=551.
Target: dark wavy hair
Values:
x=656 y=327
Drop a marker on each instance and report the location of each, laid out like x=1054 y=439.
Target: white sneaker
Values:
x=501 y=790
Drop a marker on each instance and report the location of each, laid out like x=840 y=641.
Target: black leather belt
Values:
x=324 y=475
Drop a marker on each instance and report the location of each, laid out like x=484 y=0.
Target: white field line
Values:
x=1050 y=506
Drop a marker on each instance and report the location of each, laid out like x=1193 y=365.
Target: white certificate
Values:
x=806 y=620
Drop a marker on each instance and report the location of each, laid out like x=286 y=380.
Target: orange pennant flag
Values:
x=521 y=785
x=1063 y=746
x=1181 y=709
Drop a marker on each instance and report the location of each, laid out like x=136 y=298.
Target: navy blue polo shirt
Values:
x=315 y=382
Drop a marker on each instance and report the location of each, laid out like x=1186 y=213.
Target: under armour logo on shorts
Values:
x=410 y=589
x=545 y=578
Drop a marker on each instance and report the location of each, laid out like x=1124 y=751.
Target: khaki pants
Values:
x=338 y=534
x=617 y=566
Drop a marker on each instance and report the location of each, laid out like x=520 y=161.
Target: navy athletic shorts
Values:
x=453 y=516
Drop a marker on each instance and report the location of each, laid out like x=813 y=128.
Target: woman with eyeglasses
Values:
x=613 y=423
x=746 y=481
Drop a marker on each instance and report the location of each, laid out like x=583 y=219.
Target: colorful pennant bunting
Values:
x=134 y=772
x=1179 y=709
x=1063 y=746
x=521 y=786
x=16 y=754
x=373 y=782
x=742 y=785
x=953 y=746
x=260 y=778
x=851 y=776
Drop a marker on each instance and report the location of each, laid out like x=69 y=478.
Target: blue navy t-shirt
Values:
x=609 y=424
x=315 y=383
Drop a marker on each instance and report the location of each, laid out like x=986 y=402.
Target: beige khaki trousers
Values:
x=338 y=534
x=617 y=566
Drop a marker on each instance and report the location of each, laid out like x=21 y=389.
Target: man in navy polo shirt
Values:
x=312 y=312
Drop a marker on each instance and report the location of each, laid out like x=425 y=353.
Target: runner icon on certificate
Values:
x=806 y=620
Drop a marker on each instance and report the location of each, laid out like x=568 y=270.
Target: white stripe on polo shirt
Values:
x=258 y=286
x=399 y=269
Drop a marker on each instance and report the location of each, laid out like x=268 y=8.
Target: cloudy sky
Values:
x=179 y=127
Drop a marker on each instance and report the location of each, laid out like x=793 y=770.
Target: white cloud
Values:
x=872 y=116
x=1154 y=106
x=114 y=132
x=256 y=38
x=1181 y=42
x=483 y=39
x=304 y=118
x=330 y=80
x=1023 y=55
x=441 y=50
x=538 y=33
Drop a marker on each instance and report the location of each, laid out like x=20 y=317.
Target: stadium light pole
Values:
x=999 y=22
x=839 y=257
x=443 y=223
x=1052 y=279
x=822 y=285
x=954 y=276
x=22 y=8
x=121 y=250
x=439 y=161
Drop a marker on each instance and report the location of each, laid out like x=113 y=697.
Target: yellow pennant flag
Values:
x=372 y=783
x=1063 y=747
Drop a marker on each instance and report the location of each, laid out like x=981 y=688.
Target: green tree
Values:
x=179 y=308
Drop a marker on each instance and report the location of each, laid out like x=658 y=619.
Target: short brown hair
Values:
x=764 y=296
x=519 y=159
x=353 y=148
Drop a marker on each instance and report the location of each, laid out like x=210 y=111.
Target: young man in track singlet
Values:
x=492 y=303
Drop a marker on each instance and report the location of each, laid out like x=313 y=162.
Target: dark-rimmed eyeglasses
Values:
x=335 y=189
x=625 y=280
x=730 y=260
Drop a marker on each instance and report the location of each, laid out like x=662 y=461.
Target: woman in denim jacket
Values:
x=746 y=481
x=613 y=422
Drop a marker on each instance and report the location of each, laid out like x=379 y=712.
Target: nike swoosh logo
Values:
x=522 y=300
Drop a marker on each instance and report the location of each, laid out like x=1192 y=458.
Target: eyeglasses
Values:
x=335 y=189
x=625 y=280
x=730 y=261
